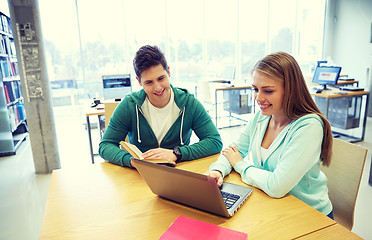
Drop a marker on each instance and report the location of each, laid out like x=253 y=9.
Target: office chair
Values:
x=344 y=174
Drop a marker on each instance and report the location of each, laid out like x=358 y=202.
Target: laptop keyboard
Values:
x=229 y=199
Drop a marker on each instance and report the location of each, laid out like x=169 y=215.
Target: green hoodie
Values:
x=128 y=119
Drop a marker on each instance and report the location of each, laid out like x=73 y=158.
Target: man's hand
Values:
x=233 y=155
x=216 y=175
x=160 y=153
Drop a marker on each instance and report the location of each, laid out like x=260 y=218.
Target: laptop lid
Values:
x=189 y=188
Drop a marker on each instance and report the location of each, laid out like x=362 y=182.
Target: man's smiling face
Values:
x=155 y=82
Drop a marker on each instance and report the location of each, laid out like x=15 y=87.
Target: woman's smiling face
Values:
x=269 y=94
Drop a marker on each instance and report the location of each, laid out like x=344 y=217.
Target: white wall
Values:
x=348 y=36
x=4 y=7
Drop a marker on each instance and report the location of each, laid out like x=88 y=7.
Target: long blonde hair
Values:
x=297 y=100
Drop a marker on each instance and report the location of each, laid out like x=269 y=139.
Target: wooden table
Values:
x=105 y=201
x=334 y=232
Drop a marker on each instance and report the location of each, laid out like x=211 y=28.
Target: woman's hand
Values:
x=216 y=175
x=232 y=154
x=160 y=153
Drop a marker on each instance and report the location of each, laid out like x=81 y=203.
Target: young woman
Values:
x=281 y=148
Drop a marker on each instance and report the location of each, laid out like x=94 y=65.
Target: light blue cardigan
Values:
x=293 y=163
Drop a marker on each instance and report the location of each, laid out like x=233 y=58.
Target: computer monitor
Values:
x=116 y=86
x=325 y=75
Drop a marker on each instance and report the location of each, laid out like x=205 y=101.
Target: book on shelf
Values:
x=12 y=71
x=5 y=69
x=10 y=91
x=12 y=48
x=16 y=114
x=15 y=66
x=9 y=25
x=6 y=94
x=2 y=46
x=20 y=89
x=12 y=118
x=2 y=22
x=6 y=45
x=21 y=111
x=15 y=89
x=136 y=153
x=188 y=228
x=5 y=23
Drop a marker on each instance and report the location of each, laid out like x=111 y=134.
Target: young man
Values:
x=159 y=119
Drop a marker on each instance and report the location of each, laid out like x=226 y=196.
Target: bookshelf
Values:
x=13 y=123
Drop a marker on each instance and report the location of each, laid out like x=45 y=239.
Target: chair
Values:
x=344 y=176
x=206 y=89
x=206 y=93
x=109 y=110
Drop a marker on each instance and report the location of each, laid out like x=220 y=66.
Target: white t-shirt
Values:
x=161 y=119
x=264 y=154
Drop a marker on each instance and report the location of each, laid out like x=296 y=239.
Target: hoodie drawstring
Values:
x=138 y=133
x=183 y=114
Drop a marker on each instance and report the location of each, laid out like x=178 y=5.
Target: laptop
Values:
x=193 y=189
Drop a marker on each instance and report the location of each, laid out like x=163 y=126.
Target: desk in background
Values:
x=237 y=100
x=103 y=111
x=105 y=201
x=240 y=101
x=346 y=111
x=99 y=112
x=347 y=83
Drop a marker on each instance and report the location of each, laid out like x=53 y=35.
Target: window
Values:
x=253 y=32
x=208 y=39
x=221 y=36
x=186 y=28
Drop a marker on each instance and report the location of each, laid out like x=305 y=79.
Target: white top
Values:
x=264 y=153
x=161 y=119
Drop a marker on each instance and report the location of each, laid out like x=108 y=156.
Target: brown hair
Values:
x=146 y=57
x=297 y=100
